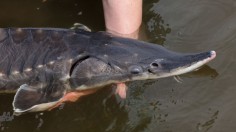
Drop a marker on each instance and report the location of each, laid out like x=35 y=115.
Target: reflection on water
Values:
x=204 y=71
x=206 y=125
x=154 y=24
x=204 y=101
x=5 y=117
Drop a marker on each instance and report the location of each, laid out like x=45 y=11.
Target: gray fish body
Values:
x=28 y=55
x=44 y=64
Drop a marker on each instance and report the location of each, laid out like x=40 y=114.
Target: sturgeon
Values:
x=49 y=66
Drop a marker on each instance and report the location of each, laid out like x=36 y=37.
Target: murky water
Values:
x=205 y=101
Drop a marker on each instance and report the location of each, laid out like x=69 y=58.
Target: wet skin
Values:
x=50 y=66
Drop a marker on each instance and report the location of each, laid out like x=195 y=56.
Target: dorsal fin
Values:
x=79 y=26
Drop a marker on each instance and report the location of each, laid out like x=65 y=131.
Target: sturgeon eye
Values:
x=135 y=69
x=155 y=64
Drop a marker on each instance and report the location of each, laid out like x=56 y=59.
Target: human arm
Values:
x=123 y=17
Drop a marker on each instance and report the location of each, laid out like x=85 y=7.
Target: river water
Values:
x=204 y=101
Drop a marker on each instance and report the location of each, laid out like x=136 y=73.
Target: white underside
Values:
x=36 y=108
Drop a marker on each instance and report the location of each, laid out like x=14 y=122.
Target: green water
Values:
x=204 y=101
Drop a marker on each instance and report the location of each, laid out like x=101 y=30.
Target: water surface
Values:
x=204 y=101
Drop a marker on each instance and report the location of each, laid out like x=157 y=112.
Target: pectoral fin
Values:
x=38 y=97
